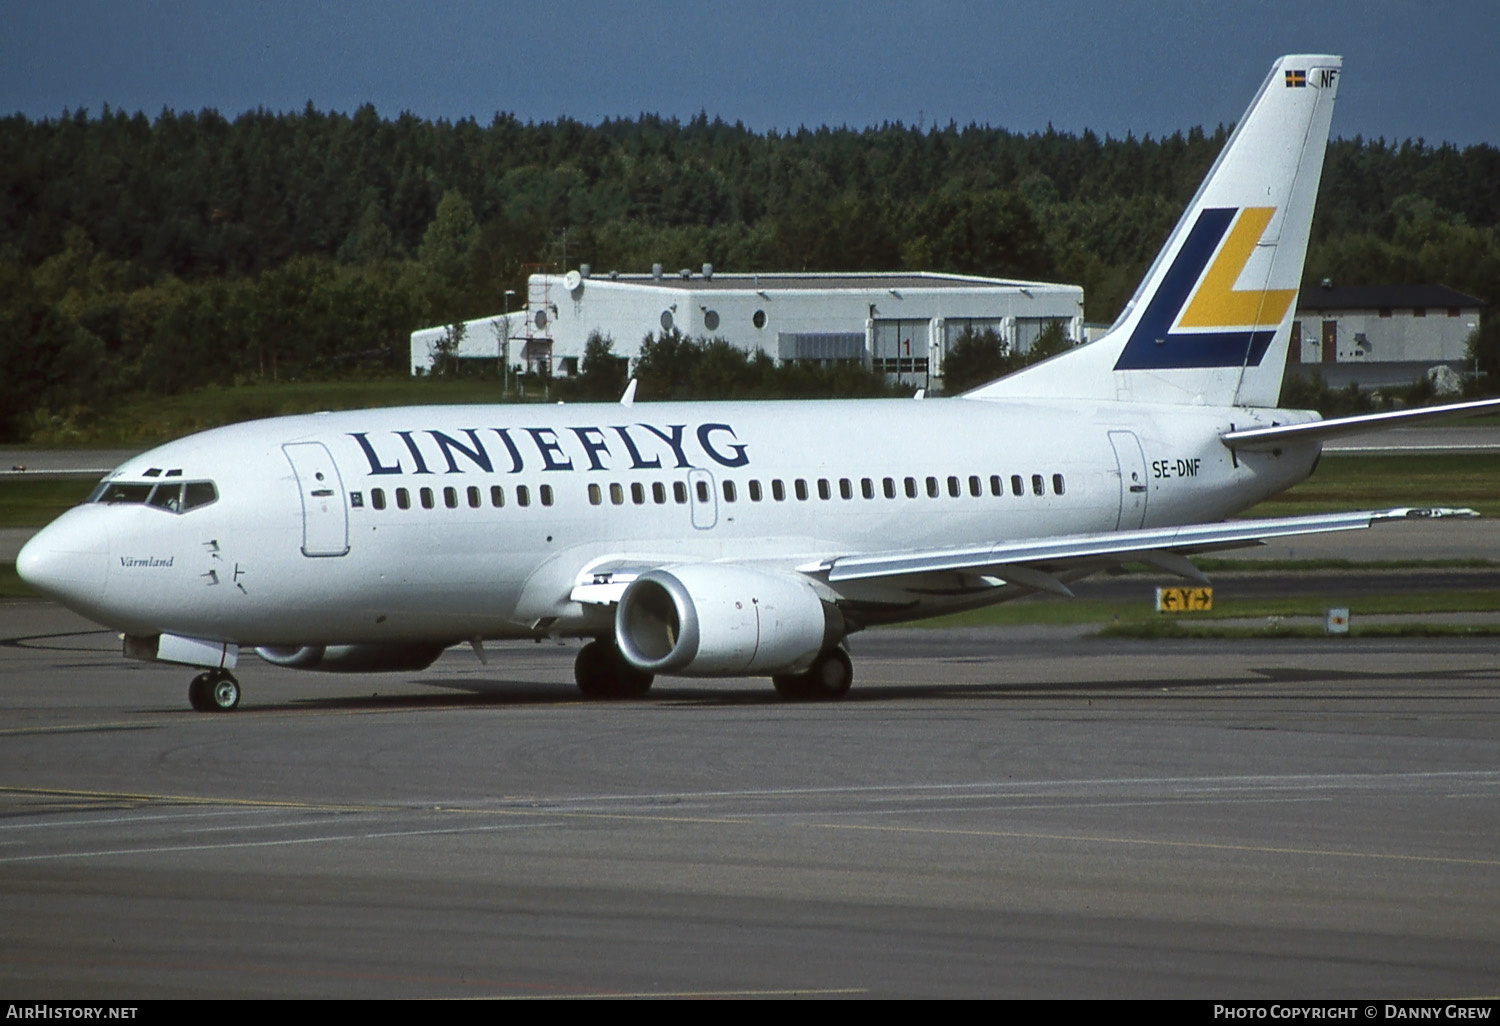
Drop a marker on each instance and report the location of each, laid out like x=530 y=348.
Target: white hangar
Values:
x=898 y=324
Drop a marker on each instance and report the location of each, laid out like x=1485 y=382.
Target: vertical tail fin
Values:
x=1210 y=322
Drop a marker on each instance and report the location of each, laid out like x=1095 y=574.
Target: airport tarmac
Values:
x=992 y=813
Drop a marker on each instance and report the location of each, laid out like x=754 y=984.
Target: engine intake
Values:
x=709 y=620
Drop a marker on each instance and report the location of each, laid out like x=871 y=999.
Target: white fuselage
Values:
x=283 y=557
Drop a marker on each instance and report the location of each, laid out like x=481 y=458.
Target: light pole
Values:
x=505 y=348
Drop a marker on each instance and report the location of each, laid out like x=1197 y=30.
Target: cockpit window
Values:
x=118 y=492
x=172 y=496
x=198 y=493
x=167 y=497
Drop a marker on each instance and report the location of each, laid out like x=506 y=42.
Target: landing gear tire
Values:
x=829 y=678
x=214 y=691
x=601 y=672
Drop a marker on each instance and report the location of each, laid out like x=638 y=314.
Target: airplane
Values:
x=741 y=538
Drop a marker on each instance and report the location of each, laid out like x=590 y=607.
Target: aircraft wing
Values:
x=1266 y=438
x=1042 y=563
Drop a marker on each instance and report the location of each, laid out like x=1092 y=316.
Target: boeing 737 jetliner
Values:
x=728 y=539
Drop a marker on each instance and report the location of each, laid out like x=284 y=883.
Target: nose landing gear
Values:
x=214 y=691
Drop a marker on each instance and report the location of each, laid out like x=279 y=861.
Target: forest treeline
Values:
x=156 y=255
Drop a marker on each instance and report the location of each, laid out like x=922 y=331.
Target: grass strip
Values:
x=1047 y=611
x=1351 y=482
x=1174 y=629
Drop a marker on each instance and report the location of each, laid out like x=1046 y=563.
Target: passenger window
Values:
x=679 y=493
x=659 y=492
x=546 y=491
x=497 y=496
x=702 y=491
x=911 y=488
x=824 y=492
x=377 y=498
x=846 y=488
x=450 y=497
x=997 y=486
x=890 y=488
x=638 y=493
x=778 y=490
x=357 y=500
x=1057 y=484
x=1017 y=487
x=728 y=491
x=976 y=488
x=617 y=494
x=473 y=497
x=800 y=487
x=403 y=498
x=1037 y=487
x=867 y=487
x=954 y=489
x=932 y=488
x=754 y=491
x=595 y=495
x=523 y=495
x=427 y=498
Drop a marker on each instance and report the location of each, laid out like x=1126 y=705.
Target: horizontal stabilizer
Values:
x=1262 y=439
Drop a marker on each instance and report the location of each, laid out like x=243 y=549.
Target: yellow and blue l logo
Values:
x=1214 y=304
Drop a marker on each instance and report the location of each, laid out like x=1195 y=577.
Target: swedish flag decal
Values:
x=1296 y=79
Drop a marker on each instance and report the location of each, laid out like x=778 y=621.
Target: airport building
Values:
x=1381 y=335
x=899 y=324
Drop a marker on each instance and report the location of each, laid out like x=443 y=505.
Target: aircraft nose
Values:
x=67 y=561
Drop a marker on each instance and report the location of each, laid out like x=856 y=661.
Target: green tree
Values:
x=975 y=358
x=449 y=241
x=444 y=351
x=603 y=375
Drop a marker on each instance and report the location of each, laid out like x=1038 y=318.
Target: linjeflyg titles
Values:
x=511 y=450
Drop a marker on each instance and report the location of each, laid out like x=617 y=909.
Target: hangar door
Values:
x=900 y=346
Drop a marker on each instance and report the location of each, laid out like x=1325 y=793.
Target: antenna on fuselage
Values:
x=628 y=399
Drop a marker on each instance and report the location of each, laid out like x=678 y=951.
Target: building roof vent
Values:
x=708 y=270
x=686 y=273
x=584 y=270
x=656 y=270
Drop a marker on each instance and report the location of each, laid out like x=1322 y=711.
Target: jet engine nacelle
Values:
x=706 y=620
x=353 y=658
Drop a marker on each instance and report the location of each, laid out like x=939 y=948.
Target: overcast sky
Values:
x=1413 y=69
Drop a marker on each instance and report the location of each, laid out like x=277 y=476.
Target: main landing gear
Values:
x=214 y=691
x=827 y=678
x=601 y=672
